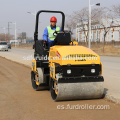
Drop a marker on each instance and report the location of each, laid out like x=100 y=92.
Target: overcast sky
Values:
x=16 y=10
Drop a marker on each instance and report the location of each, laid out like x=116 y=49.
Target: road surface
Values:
x=18 y=101
x=111 y=69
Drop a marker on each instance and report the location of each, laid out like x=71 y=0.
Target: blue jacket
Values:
x=45 y=34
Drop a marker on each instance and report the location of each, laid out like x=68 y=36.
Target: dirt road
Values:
x=18 y=101
x=111 y=69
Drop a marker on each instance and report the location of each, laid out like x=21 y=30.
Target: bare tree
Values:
x=107 y=21
x=116 y=10
x=106 y=29
x=20 y=36
x=82 y=17
x=4 y=37
x=70 y=23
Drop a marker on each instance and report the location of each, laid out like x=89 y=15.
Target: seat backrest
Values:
x=62 y=39
x=40 y=48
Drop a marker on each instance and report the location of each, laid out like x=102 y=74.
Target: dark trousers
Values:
x=50 y=44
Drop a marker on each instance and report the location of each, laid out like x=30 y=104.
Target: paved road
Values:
x=23 y=56
x=111 y=73
x=18 y=101
x=111 y=70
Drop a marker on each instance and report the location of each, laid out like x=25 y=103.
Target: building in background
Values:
x=98 y=29
x=17 y=42
x=23 y=37
x=20 y=39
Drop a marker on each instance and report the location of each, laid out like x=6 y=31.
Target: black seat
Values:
x=62 y=39
x=41 y=49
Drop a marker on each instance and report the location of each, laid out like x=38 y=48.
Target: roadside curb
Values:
x=112 y=97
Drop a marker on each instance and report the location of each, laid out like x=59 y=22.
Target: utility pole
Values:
x=98 y=4
x=15 y=33
x=9 y=29
x=76 y=33
x=4 y=29
x=89 y=43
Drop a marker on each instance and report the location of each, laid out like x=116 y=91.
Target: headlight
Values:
x=68 y=71
x=92 y=70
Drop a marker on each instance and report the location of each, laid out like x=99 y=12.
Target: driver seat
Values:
x=41 y=49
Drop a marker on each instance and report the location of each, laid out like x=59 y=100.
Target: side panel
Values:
x=34 y=65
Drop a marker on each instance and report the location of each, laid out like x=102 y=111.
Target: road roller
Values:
x=68 y=70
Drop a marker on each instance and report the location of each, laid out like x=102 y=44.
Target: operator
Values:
x=49 y=30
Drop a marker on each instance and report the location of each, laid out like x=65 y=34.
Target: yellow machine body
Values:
x=71 y=55
x=74 y=55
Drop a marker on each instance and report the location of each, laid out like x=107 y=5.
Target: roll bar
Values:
x=37 y=20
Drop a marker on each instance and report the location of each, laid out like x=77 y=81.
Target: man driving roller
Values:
x=49 y=30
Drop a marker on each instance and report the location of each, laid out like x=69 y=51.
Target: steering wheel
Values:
x=55 y=33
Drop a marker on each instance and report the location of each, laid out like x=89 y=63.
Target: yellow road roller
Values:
x=68 y=70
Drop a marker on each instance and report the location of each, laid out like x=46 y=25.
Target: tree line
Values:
x=109 y=15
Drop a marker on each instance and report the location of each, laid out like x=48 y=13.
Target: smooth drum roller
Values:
x=78 y=88
x=71 y=71
x=37 y=80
